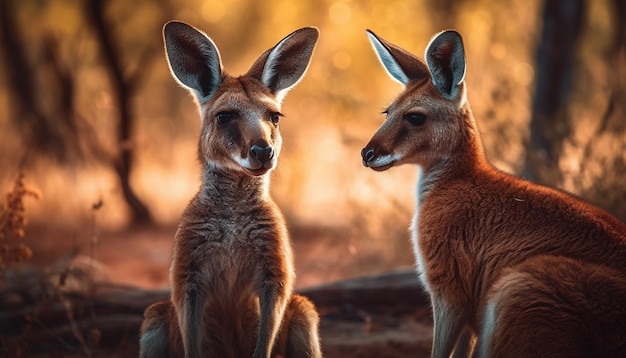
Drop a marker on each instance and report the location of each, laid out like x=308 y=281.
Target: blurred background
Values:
x=91 y=116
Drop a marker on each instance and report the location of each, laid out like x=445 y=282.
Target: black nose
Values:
x=262 y=153
x=367 y=154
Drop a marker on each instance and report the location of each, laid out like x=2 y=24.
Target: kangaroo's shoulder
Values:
x=489 y=192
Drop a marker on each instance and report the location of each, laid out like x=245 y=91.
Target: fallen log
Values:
x=40 y=316
x=394 y=293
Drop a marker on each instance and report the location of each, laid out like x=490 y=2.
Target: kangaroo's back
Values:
x=505 y=218
x=474 y=223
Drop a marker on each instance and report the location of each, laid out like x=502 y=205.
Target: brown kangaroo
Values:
x=513 y=269
x=232 y=271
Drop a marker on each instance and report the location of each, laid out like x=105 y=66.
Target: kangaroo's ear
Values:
x=283 y=66
x=193 y=59
x=446 y=61
x=399 y=63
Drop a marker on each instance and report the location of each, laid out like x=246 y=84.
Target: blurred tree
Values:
x=46 y=117
x=43 y=83
x=597 y=175
x=445 y=13
x=608 y=187
x=550 y=124
x=617 y=53
x=123 y=87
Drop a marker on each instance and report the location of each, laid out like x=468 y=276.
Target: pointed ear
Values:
x=446 y=61
x=283 y=66
x=193 y=59
x=399 y=63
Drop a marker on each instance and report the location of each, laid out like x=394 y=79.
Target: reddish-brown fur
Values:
x=583 y=302
x=232 y=271
x=503 y=259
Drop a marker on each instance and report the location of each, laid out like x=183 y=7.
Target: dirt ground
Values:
x=141 y=256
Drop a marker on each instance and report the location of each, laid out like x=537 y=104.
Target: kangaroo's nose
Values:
x=367 y=154
x=262 y=153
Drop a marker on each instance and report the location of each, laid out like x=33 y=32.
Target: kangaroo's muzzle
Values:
x=261 y=157
x=376 y=161
x=367 y=154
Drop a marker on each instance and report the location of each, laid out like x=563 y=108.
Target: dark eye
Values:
x=225 y=117
x=416 y=119
x=275 y=118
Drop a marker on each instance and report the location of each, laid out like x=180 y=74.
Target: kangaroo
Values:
x=232 y=271
x=513 y=269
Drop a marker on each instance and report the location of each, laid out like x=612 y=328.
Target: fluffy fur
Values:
x=521 y=269
x=232 y=271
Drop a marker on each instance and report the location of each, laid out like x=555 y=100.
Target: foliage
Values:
x=13 y=222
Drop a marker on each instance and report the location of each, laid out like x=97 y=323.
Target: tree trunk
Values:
x=123 y=90
x=49 y=131
x=550 y=124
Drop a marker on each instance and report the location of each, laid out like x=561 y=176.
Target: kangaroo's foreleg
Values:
x=189 y=311
x=447 y=328
x=272 y=302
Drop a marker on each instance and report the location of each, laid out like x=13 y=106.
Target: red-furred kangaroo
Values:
x=232 y=271
x=513 y=269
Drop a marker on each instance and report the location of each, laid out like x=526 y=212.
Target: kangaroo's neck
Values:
x=230 y=186
x=466 y=158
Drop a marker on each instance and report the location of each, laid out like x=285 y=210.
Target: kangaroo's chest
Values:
x=421 y=264
x=226 y=253
x=446 y=262
x=228 y=242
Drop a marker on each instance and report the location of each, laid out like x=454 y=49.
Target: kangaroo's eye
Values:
x=416 y=119
x=225 y=117
x=275 y=118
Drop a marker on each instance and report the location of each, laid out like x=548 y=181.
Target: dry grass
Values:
x=13 y=223
x=37 y=291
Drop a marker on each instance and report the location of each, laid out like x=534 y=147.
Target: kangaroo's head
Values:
x=239 y=115
x=425 y=123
